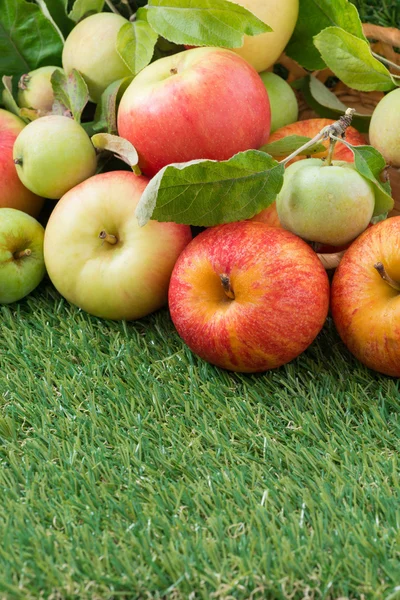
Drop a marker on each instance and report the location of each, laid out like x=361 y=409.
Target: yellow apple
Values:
x=262 y=50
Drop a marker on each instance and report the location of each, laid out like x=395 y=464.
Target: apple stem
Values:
x=332 y=144
x=108 y=237
x=338 y=128
x=226 y=284
x=386 y=61
x=382 y=272
x=22 y=253
x=112 y=7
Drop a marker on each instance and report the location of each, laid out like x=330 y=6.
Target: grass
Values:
x=131 y=469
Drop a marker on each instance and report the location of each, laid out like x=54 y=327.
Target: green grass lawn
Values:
x=131 y=469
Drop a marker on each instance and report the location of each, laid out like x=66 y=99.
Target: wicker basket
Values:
x=383 y=42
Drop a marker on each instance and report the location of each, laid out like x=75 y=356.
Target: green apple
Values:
x=330 y=204
x=384 y=129
x=52 y=155
x=35 y=89
x=283 y=101
x=91 y=49
x=21 y=254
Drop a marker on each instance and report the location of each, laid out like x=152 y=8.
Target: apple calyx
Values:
x=226 y=285
x=173 y=71
x=108 y=237
x=22 y=253
x=24 y=81
x=18 y=161
x=382 y=272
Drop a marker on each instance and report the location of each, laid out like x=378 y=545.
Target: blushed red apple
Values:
x=248 y=297
x=201 y=103
x=366 y=297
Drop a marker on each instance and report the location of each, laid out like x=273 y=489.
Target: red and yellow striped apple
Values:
x=99 y=258
x=201 y=103
x=13 y=193
x=366 y=297
x=248 y=297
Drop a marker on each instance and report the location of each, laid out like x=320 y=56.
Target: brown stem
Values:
x=382 y=272
x=22 y=253
x=226 y=284
x=108 y=237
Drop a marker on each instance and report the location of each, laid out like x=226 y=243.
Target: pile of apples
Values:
x=246 y=296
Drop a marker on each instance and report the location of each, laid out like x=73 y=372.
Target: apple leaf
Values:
x=351 y=60
x=120 y=147
x=370 y=164
x=57 y=9
x=289 y=144
x=105 y=117
x=203 y=22
x=328 y=105
x=28 y=39
x=70 y=94
x=207 y=192
x=83 y=8
x=8 y=98
x=314 y=16
x=136 y=41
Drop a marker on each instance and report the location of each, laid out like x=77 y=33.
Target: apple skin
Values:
x=35 y=89
x=19 y=275
x=125 y=280
x=261 y=51
x=310 y=128
x=327 y=204
x=13 y=193
x=283 y=101
x=384 y=129
x=365 y=308
x=281 y=296
x=56 y=154
x=201 y=103
x=91 y=49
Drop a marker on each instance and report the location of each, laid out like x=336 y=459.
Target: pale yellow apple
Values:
x=262 y=50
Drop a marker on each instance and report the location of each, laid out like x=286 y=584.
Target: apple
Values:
x=248 y=297
x=283 y=101
x=330 y=204
x=91 y=49
x=366 y=297
x=52 y=155
x=99 y=258
x=200 y=103
x=35 y=89
x=261 y=51
x=310 y=128
x=13 y=193
x=384 y=129
x=269 y=216
x=21 y=254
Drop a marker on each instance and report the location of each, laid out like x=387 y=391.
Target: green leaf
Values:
x=328 y=105
x=28 y=40
x=203 y=22
x=8 y=98
x=207 y=192
x=351 y=60
x=314 y=16
x=370 y=164
x=83 y=8
x=135 y=43
x=70 y=93
x=120 y=147
x=105 y=117
x=289 y=144
x=56 y=12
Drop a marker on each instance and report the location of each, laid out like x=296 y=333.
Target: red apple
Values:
x=99 y=258
x=13 y=193
x=201 y=103
x=248 y=297
x=366 y=297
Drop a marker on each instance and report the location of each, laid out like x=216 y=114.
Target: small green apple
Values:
x=384 y=129
x=283 y=101
x=52 y=155
x=330 y=204
x=91 y=49
x=35 y=89
x=21 y=254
